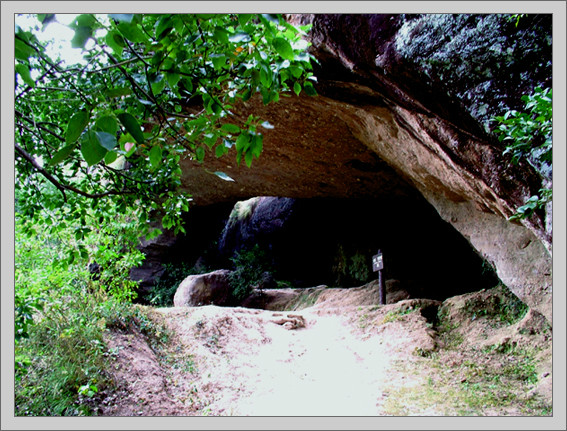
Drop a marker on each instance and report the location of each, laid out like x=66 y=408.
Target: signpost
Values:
x=378 y=266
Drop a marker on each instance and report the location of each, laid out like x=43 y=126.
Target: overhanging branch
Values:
x=65 y=187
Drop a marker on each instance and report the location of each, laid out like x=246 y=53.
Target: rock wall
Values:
x=445 y=76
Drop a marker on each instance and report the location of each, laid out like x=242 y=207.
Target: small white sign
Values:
x=377 y=262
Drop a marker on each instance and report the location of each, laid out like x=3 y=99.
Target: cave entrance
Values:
x=326 y=241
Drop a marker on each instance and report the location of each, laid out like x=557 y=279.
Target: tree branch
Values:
x=39 y=126
x=122 y=63
x=63 y=187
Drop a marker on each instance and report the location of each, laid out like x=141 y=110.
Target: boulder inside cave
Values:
x=310 y=242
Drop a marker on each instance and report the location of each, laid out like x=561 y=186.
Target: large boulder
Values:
x=204 y=289
x=254 y=221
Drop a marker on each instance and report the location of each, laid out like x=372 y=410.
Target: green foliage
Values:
x=529 y=135
x=152 y=90
x=502 y=305
x=250 y=267
x=397 y=314
x=359 y=268
x=61 y=367
x=351 y=267
x=61 y=311
x=163 y=291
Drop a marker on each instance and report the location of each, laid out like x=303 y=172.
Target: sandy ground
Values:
x=320 y=361
x=317 y=370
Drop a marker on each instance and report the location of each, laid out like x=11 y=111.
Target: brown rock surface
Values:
x=204 y=289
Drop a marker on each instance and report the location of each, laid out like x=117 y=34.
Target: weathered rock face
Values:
x=204 y=289
x=402 y=112
x=254 y=221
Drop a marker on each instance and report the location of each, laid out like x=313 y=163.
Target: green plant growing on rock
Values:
x=398 y=314
x=503 y=306
x=528 y=135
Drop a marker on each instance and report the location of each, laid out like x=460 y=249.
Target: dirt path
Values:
x=244 y=362
x=318 y=370
x=321 y=361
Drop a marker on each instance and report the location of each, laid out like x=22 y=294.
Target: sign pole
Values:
x=378 y=266
x=381 y=288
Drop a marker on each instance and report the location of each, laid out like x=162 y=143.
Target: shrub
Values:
x=163 y=291
x=250 y=268
x=61 y=313
x=351 y=267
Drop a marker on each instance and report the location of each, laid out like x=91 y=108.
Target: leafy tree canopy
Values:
x=107 y=136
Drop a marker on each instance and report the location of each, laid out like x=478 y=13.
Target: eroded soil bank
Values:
x=337 y=357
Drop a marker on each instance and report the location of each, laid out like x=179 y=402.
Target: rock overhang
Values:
x=374 y=132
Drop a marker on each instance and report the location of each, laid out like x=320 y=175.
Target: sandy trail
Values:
x=312 y=371
x=347 y=360
x=250 y=366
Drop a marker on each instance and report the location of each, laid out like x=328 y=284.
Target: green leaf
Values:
x=22 y=51
x=116 y=42
x=296 y=72
x=257 y=145
x=110 y=157
x=223 y=176
x=61 y=155
x=187 y=84
x=24 y=72
x=106 y=140
x=82 y=34
x=132 y=126
x=207 y=102
x=218 y=61
x=132 y=32
x=85 y=20
x=46 y=18
x=200 y=153
x=283 y=48
x=164 y=26
x=248 y=158
x=172 y=79
x=210 y=139
x=122 y=17
x=158 y=86
x=309 y=89
x=221 y=35
x=265 y=77
x=91 y=149
x=76 y=125
x=246 y=95
x=118 y=92
x=273 y=18
x=155 y=156
x=297 y=88
x=242 y=142
x=220 y=150
x=230 y=128
x=243 y=18
x=107 y=124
